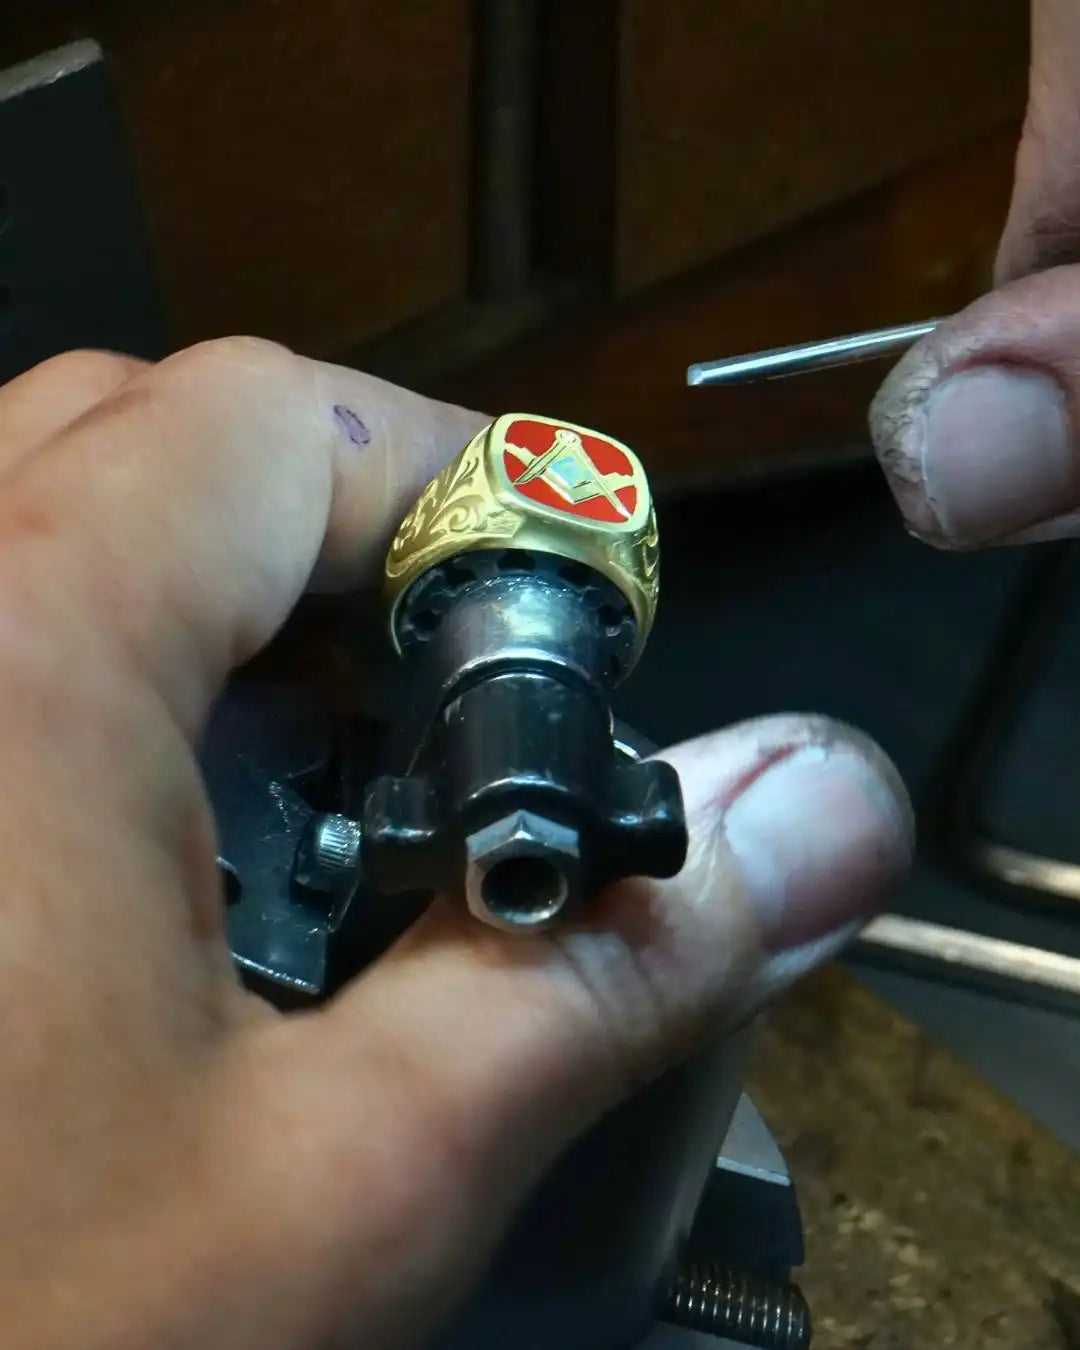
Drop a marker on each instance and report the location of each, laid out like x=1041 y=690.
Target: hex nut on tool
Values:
x=521 y=871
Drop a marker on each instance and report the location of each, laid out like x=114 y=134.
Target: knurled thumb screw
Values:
x=720 y=1301
x=328 y=857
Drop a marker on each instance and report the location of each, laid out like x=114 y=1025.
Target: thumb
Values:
x=387 y=1140
x=976 y=426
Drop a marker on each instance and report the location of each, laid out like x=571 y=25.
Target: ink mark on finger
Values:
x=352 y=426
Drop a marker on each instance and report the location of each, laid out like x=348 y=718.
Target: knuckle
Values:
x=255 y=355
x=94 y=373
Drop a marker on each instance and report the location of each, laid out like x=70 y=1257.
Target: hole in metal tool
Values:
x=523 y=890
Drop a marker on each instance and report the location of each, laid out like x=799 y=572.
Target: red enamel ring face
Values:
x=573 y=472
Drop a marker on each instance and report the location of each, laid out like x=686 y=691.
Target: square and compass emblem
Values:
x=572 y=471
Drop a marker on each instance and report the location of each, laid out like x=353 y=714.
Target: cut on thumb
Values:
x=976 y=426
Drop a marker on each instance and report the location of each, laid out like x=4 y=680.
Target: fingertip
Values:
x=975 y=427
x=815 y=816
x=803 y=830
x=390 y=443
x=896 y=425
x=800 y=829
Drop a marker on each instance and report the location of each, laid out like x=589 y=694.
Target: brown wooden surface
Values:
x=740 y=117
x=305 y=168
x=937 y=1215
x=577 y=138
x=303 y=162
x=922 y=246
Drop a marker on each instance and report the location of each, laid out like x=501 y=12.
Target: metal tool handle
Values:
x=1035 y=974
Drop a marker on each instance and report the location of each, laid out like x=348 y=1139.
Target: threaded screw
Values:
x=726 y=1302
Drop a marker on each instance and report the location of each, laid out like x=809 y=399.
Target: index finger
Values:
x=181 y=518
x=1043 y=226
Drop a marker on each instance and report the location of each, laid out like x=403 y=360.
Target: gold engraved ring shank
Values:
x=532 y=483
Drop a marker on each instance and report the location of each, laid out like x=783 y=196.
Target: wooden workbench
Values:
x=937 y=1214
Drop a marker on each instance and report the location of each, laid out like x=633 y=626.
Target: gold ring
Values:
x=533 y=483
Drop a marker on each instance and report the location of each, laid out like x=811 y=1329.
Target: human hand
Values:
x=181 y=1166
x=977 y=425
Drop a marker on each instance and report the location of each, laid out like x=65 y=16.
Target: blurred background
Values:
x=557 y=206
x=543 y=204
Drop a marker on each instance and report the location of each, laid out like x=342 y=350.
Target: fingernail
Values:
x=998 y=453
x=820 y=838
